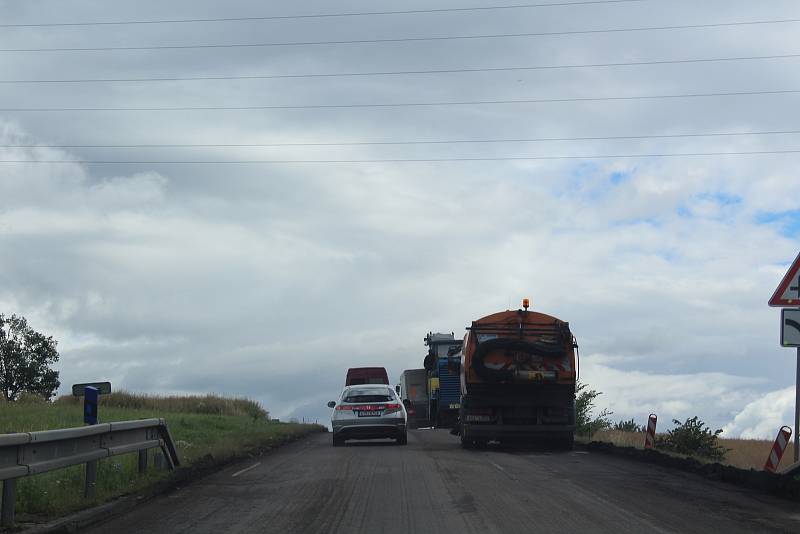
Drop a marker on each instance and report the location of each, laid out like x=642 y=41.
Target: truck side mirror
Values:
x=331 y=404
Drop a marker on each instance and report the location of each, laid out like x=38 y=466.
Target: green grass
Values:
x=198 y=436
x=207 y=404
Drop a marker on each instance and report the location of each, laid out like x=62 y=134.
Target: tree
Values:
x=584 y=405
x=26 y=357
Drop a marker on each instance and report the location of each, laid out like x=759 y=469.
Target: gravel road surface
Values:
x=433 y=486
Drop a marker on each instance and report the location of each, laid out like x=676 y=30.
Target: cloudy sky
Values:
x=246 y=277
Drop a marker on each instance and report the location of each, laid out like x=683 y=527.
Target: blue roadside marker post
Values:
x=90 y=417
x=90 y=396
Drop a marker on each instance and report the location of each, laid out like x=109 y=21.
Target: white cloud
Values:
x=712 y=396
x=761 y=418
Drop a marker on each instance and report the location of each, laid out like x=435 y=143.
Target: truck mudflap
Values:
x=499 y=432
x=561 y=437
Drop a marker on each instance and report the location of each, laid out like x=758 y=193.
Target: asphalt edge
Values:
x=205 y=466
x=784 y=486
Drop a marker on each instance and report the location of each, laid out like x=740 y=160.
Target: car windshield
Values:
x=368 y=395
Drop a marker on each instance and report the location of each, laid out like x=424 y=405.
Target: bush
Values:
x=629 y=426
x=584 y=405
x=31 y=398
x=692 y=437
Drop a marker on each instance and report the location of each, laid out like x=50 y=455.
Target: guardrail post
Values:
x=7 y=514
x=158 y=460
x=142 y=461
x=91 y=479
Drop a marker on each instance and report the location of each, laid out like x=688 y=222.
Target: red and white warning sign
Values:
x=788 y=292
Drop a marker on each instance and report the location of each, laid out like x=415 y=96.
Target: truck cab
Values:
x=366 y=375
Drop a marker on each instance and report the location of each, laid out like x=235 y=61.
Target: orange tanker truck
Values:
x=518 y=372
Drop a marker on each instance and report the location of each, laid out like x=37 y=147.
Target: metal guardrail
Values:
x=32 y=453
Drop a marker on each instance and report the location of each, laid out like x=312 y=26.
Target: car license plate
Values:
x=370 y=413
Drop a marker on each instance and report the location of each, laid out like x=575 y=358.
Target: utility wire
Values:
x=404 y=72
x=317 y=15
x=405 y=39
x=413 y=104
x=405 y=160
x=421 y=142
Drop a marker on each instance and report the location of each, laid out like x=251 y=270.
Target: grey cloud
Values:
x=271 y=280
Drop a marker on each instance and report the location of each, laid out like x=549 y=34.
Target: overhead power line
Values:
x=417 y=142
x=411 y=104
x=403 y=160
x=405 y=72
x=404 y=39
x=317 y=15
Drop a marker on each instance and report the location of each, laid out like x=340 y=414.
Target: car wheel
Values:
x=337 y=441
x=403 y=440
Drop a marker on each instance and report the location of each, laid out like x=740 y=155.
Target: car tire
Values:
x=337 y=441
x=403 y=440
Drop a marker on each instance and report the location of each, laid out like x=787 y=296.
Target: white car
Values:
x=368 y=411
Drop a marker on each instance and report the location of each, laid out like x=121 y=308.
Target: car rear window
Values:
x=368 y=395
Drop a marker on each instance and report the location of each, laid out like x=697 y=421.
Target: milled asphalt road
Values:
x=433 y=486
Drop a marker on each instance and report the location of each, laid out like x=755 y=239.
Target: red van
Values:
x=366 y=375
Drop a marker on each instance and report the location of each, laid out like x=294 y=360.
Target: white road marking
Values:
x=246 y=469
x=498 y=466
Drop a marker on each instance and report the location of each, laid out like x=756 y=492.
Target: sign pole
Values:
x=797 y=410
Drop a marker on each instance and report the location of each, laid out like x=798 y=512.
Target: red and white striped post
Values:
x=650 y=437
x=778 y=447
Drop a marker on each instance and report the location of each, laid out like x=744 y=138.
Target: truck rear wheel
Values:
x=466 y=442
x=565 y=442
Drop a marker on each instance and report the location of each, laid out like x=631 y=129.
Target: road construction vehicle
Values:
x=442 y=363
x=518 y=376
x=413 y=388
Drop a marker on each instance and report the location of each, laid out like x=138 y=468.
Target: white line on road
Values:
x=246 y=469
x=502 y=470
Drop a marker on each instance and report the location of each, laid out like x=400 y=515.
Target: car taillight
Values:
x=390 y=408
x=341 y=407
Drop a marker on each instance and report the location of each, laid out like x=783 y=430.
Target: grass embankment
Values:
x=743 y=453
x=207 y=429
